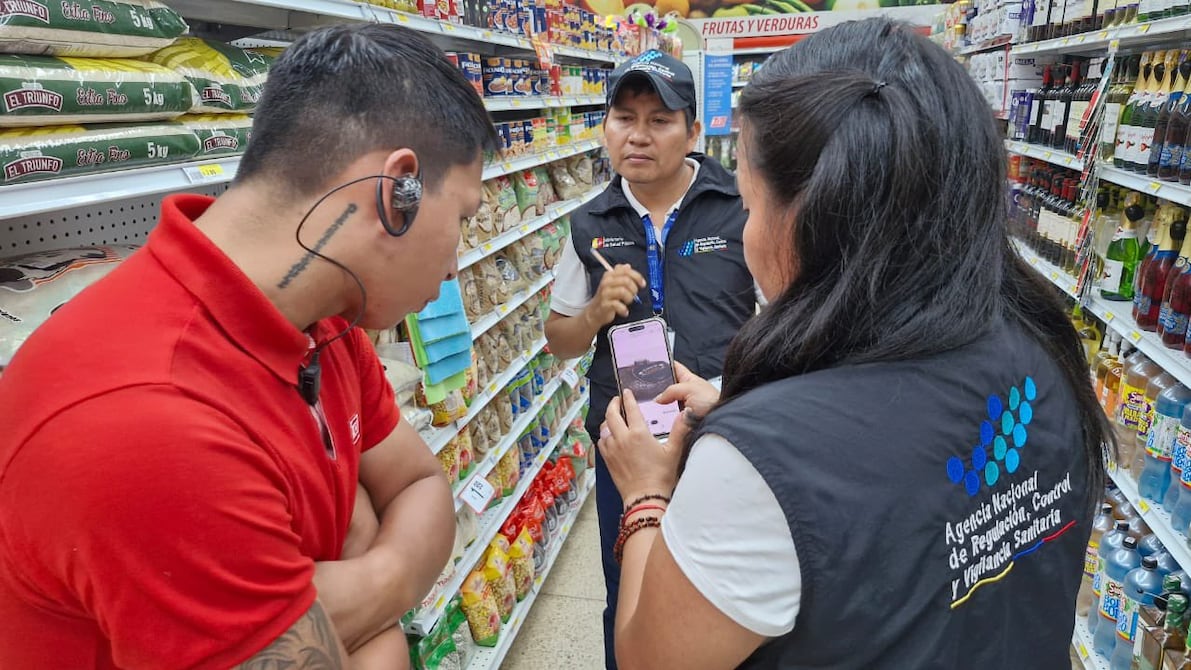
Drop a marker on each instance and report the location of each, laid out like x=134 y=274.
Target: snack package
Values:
x=511 y=279
x=546 y=193
x=449 y=459
x=479 y=438
x=34 y=154
x=479 y=605
x=565 y=184
x=458 y=629
x=580 y=168
x=526 y=186
x=450 y=409
x=219 y=134
x=466 y=455
x=509 y=468
x=521 y=560
x=508 y=211
x=34 y=286
x=489 y=283
x=228 y=79
x=499 y=575
x=97 y=29
x=46 y=91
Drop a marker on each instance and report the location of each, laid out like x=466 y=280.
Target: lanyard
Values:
x=655 y=251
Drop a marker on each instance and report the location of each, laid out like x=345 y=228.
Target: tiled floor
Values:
x=564 y=630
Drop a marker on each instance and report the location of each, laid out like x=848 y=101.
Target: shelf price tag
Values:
x=515 y=103
x=1083 y=651
x=570 y=377
x=1143 y=506
x=198 y=174
x=524 y=229
x=507 y=167
x=1154 y=187
x=477 y=494
x=1114 y=45
x=487 y=247
x=1054 y=276
x=1103 y=35
x=402 y=18
x=1109 y=316
x=1134 y=336
x=1144 y=28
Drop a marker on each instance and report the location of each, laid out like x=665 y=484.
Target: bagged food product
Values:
x=227 y=78
x=34 y=286
x=34 y=154
x=509 y=468
x=467 y=528
x=219 y=134
x=466 y=455
x=450 y=409
x=527 y=187
x=479 y=438
x=521 y=561
x=581 y=170
x=449 y=459
x=460 y=632
x=510 y=277
x=488 y=281
x=499 y=575
x=565 y=184
x=494 y=479
x=45 y=91
x=473 y=299
x=444 y=657
x=535 y=522
x=479 y=605
x=508 y=211
x=95 y=29
x=546 y=193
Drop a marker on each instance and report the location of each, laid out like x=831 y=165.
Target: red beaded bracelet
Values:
x=655 y=496
x=627 y=531
x=642 y=508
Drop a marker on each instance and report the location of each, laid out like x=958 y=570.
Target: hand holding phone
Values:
x=644 y=364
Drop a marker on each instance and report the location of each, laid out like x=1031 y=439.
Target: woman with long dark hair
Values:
x=901 y=468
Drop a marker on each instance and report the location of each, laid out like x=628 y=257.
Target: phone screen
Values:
x=643 y=366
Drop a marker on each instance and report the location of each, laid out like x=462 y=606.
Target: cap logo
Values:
x=654 y=68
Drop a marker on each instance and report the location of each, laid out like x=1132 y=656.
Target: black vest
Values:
x=904 y=485
x=709 y=291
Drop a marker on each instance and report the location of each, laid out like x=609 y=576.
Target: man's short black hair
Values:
x=641 y=86
x=344 y=91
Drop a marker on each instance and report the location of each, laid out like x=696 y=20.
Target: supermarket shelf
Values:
x=1052 y=156
x=491 y=659
x=1000 y=43
x=1057 y=276
x=306 y=14
x=55 y=194
x=525 y=162
x=490 y=523
x=553 y=213
x=1081 y=640
x=1118 y=316
x=1136 y=35
x=507 y=103
x=58 y=194
x=1174 y=192
x=1155 y=517
x=519 y=298
x=509 y=441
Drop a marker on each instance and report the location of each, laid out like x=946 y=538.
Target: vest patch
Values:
x=703 y=245
x=609 y=242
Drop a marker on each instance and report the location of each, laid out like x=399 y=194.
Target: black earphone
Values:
x=407 y=196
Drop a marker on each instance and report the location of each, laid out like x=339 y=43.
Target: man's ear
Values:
x=693 y=139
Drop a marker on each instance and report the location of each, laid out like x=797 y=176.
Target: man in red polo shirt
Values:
x=182 y=442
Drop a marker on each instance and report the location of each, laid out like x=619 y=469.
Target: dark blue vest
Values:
x=938 y=508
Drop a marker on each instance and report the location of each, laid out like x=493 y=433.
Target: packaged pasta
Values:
x=96 y=29
x=45 y=91
x=228 y=79
x=480 y=607
x=526 y=187
x=499 y=576
x=521 y=562
x=449 y=459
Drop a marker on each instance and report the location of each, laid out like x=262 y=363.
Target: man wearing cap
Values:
x=670 y=226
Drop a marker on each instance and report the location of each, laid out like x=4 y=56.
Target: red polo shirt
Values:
x=164 y=490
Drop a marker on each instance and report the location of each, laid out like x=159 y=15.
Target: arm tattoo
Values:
x=310 y=644
x=300 y=267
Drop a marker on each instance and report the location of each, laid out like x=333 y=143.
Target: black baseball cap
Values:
x=670 y=77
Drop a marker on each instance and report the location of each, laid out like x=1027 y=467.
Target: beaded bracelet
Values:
x=627 y=531
x=641 y=508
x=654 y=496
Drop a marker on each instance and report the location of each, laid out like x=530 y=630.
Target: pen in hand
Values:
x=608 y=266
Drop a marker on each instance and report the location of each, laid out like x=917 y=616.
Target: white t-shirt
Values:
x=730 y=538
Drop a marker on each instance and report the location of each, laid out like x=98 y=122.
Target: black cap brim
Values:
x=671 y=98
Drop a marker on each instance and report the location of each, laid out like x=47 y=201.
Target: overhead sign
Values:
x=806 y=22
x=717 y=94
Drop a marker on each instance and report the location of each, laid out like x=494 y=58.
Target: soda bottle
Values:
x=1154 y=479
x=1138 y=590
x=1166 y=563
x=1145 y=421
x=1149 y=545
x=1100 y=525
x=1111 y=541
x=1115 y=497
x=1109 y=352
x=1117 y=567
x=1178 y=461
x=1133 y=405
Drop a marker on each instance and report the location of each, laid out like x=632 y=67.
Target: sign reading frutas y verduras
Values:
x=759 y=18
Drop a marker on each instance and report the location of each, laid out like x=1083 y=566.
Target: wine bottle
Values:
x=1176 y=300
x=1173 y=95
x=1153 y=282
x=1147 y=116
x=1127 y=133
x=1114 y=106
x=1122 y=258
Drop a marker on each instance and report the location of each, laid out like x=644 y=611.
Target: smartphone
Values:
x=644 y=365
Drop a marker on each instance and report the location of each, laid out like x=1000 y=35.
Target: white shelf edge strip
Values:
x=491 y=523
x=1172 y=191
x=491 y=659
x=1103 y=39
x=1081 y=640
x=525 y=162
x=1064 y=281
x=509 y=440
x=1052 y=156
x=1170 y=360
x=1157 y=518
x=519 y=298
x=68 y=192
x=509 y=103
x=553 y=213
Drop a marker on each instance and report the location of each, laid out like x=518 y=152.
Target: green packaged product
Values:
x=33 y=154
x=219 y=134
x=45 y=90
x=94 y=29
x=228 y=79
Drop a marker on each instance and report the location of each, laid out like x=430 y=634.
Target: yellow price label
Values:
x=211 y=170
x=1081 y=39
x=402 y=18
x=504 y=309
x=487 y=247
x=524 y=229
x=1083 y=651
x=491 y=388
x=441 y=602
x=1047 y=155
x=1109 y=316
x=1114 y=45
x=1054 y=276
x=1135 y=336
x=487 y=34
x=516 y=103
x=1144 y=506
x=448 y=27
x=553 y=155
x=1103 y=34
x=1154 y=187
x=507 y=167
x=525 y=354
x=1143 y=29
x=1066 y=41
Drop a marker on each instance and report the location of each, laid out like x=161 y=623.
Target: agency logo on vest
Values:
x=703 y=245
x=1014 y=517
x=610 y=242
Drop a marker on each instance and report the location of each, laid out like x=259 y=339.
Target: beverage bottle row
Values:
x=1053 y=114
x=1046 y=211
x=1050 y=19
x=1147 y=114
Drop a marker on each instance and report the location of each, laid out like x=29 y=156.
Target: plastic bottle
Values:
x=1145 y=422
x=1149 y=545
x=1115 y=497
x=1111 y=541
x=1117 y=567
x=1178 y=461
x=1108 y=354
x=1100 y=525
x=1140 y=586
x=1167 y=565
x=1134 y=381
x=1154 y=480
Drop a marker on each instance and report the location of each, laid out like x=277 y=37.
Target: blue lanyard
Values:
x=654 y=252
